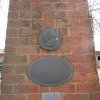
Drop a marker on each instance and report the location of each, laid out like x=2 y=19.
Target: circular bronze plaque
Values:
x=49 y=39
x=50 y=71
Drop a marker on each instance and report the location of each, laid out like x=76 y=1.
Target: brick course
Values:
x=26 y=19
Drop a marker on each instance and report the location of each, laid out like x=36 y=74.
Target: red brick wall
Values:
x=26 y=19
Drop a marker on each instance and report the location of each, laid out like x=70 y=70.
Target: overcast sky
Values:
x=3 y=21
x=4 y=4
x=96 y=16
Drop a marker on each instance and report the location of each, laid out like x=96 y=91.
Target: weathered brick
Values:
x=30 y=15
x=73 y=41
x=12 y=97
x=34 y=97
x=79 y=77
x=65 y=88
x=71 y=6
x=26 y=20
x=14 y=1
x=88 y=68
x=26 y=0
x=26 y=88
x=57 y=89
x=7 y=89
x=37 y=1
x=88 y=46
x=77 y=14
x=42 y=1
x=76 y=0
x=38 y=24
x=14 y=6
x=43 y=89
x=12 y=32
x=76 y=48
x=66 y=6
x=74 y=23
x=36 y=15
x=13 y=15
x=90 y=58
x=75 y=97
x=73 y=15
x=34 y=57
x=10 y=50
x=19 y=23
x=86 y=87
x=97 y=89
x=63 y=51
x=54 y=14
x=28 y=32
x=42 y=7
x=63 y=23
x=87 y=31
x=27 y=50
x=25 y=15
x=68 y=88
x=15 y=69
x=57 y=0
x=83 y=6
x=64 y=32
x=25 y=6
x=24 y=41
x=94 y=96
x=14 y=59
x=85 y=22
x=60 y=6
x=27 y=79
x=33 y=40
x=92 y=77
x=81 y=32
x=12 y=79
x=75 y=58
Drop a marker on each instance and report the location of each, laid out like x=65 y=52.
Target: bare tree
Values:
x=94 y=8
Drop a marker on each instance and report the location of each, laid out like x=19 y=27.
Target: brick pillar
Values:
x=26 y=19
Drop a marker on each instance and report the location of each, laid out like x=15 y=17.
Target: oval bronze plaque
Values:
x=50 y=71
x=49 y=39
